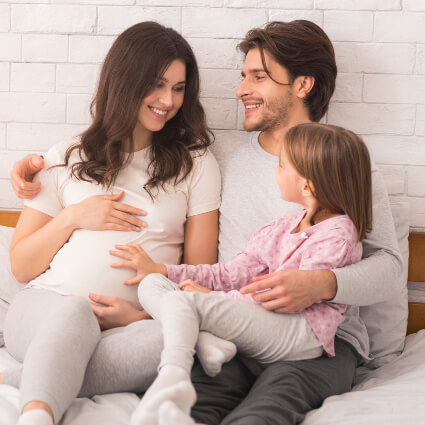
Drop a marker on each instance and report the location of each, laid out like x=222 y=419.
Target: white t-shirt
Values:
x=82 y=265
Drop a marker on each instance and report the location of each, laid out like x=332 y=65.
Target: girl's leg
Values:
x=258 y=333
x=211 y=350
x=54 y=336
x=170 y=414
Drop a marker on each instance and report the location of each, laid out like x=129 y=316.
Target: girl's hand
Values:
x=104 y=212
x=115 y=312
x=190 y=286
x=135 y=257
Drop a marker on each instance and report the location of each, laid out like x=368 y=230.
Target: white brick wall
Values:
x=51 y=50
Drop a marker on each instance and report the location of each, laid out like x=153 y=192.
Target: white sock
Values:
x=170 y=414
x=35 y=417
x=173 y=383
x=213 y=351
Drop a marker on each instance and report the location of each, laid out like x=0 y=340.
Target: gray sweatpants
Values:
x=257 y=333
x=54 y=337
x=125 y=359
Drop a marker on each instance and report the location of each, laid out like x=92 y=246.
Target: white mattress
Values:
x=393 y=394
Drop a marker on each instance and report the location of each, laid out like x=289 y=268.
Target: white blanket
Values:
x=391 y=395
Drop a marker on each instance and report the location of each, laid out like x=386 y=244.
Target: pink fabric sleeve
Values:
x=229 y=276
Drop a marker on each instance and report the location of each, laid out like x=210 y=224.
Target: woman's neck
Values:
x=142 y=138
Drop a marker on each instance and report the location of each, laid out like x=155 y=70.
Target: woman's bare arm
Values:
x=201 y=239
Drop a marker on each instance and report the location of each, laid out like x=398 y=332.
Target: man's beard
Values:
x=275 y=115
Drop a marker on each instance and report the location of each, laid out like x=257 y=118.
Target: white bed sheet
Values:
x=391 y=395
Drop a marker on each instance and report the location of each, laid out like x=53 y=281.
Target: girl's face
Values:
x=290 y=182
x=165 y=100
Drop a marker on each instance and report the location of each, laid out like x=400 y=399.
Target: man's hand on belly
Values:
x=115 y=312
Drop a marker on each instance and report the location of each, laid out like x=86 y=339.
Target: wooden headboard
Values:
x=9 y=218
x=416 y=268
x=416 y=274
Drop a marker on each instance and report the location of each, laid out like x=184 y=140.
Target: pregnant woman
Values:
x=147 y=146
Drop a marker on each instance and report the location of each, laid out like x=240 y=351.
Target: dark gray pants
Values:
x=282 y=394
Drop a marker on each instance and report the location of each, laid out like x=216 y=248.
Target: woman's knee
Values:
x=77 y=311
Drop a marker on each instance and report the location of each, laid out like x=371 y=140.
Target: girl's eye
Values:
x=179 y=89
x=259 y=77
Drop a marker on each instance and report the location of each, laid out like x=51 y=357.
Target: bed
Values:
x=391 y=394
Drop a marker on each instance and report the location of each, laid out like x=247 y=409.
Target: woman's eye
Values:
x=179 y=89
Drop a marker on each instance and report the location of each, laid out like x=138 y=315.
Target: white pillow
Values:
x=386 y=322
x=9 y=286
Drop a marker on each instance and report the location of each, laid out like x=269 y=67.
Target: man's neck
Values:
x=271 y=140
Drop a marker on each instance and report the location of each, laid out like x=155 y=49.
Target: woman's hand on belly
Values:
x=104 y=212
x=115 y=312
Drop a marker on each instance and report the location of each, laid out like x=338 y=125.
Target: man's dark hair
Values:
x=302 y=48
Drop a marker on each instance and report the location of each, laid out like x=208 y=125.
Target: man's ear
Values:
x=304 y=84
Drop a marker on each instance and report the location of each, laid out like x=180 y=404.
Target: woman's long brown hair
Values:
x=136 y=60
x=337 y=163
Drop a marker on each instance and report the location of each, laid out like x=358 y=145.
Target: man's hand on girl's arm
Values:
x=115 y=312
x=289 y=291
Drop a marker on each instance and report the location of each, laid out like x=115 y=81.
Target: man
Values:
x=288 y=78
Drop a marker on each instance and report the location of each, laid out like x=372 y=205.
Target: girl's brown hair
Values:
x=132 y=67
x=337 y=163
x=302 y=48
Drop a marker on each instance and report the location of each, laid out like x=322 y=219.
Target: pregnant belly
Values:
x=82 y=266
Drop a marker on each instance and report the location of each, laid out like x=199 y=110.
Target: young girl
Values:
x=324 y=168
x=147 y=145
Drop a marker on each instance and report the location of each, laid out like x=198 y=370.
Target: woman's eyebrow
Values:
x=166 y=81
